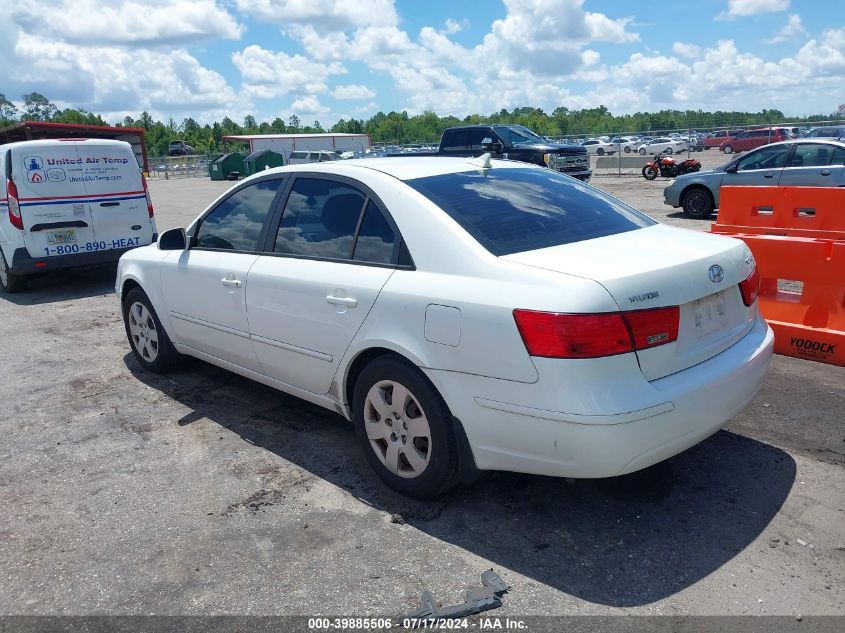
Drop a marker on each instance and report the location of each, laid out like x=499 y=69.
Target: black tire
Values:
x=165 y=354
x=600 y=151
x=642 y=151
x=728 y=149
x=627 y=150
x=649 y=172
x=697 y=203
x=442 y=470
x=10 y=283
x=669 y=150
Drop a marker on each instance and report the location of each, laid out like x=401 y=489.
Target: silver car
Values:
x=805 y=162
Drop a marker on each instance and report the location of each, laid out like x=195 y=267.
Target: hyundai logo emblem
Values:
x=716 y=273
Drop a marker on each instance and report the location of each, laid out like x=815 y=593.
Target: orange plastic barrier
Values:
x=808 y=321
x=813 y=212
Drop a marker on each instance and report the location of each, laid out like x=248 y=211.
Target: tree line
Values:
x=400 y=127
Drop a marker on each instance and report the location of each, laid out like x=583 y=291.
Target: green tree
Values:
x=37 y=107
x=7 y=110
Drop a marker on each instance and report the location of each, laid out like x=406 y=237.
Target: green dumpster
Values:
x=262 y=159
x=227 y=167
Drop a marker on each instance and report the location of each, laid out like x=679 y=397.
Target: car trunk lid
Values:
x=662 y=266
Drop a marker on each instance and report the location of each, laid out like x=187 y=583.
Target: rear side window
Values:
x=375 y=238
x=515 y=210
x=320 y=219
x=456 y=139
x=815 y=155
x=236 y=223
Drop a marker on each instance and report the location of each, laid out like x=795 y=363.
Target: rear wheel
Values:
x=697 y=203
x=149 y=341
x=627 y=150
x=728 y=149
x=669 y=150
x=642 y=151
x=649 y=172
x=405 y=429
x=9 y=282
x=600 y=151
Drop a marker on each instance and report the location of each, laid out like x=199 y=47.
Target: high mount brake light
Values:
x=556 y=335
x=749 y=287
x=15 y=218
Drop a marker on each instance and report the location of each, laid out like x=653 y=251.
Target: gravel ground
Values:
x=124 y=492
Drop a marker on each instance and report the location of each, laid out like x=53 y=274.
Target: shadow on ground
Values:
x=625 y=541
x=66 y=285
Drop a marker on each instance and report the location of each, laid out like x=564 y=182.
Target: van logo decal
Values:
x=716 y=273
x=35 y=176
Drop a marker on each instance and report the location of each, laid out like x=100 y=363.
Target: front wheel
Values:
x=697 y=203
x=649 y=172
x=669 y=150
x=9 y=282
x=627 y=150
x=728 y=149
x=642 y=151
x=405 y=429
x=600 y=151
x=149 y=341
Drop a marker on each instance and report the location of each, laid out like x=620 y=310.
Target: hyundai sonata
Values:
x=464 y=314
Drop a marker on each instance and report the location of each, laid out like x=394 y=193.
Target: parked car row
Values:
x=808 y=162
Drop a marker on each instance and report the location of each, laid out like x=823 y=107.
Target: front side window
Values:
x=320 y=219
x=515 y=210
x=771 y=157
x=236 y=223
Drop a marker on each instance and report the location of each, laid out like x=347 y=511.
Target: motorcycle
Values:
x=668 y=167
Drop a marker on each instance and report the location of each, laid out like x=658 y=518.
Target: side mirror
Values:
x=173 y=240
x=730 y=169
x=488 y=145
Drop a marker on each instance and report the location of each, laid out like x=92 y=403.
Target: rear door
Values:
x=310 y=294
x=117 y=201
x=53 y=200
x=815 y=165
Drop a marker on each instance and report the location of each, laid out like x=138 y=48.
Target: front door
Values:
x=762 y=167
x=205 y=286
x=308 y=298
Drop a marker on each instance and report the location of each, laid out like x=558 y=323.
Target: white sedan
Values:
x=463 y=314
x=663 y=144
x=599 y=147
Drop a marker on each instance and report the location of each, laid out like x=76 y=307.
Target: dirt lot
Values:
x=124 y=492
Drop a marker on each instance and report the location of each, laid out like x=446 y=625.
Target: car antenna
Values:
x=483 y=161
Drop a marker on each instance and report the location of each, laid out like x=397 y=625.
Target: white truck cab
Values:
x=69 y=202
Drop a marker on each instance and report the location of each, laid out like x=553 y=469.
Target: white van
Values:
x=67 y=203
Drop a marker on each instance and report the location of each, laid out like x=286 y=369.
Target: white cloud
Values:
x=112 y=79
x=337 y=15
x=308 y=106
x=686 y=50
x=269 y=74
x=455 y=26
x=90 y=22
x=745 y=8
x=794 y=28
x=353 y=91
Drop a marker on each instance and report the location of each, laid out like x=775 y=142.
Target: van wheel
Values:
x=10 y=283
x=405 y=429
x=149 y=341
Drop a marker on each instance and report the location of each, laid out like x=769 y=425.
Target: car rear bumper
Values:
x=634 y=424
x=24 y=264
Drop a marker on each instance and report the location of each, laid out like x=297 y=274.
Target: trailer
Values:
x=284 y=144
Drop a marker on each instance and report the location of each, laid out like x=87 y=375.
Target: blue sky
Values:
x=327 y=59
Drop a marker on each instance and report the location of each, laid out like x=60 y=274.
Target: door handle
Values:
x=768 y=175
x=109 y=204
x=233 y=283
x=825 y=172
x=347 y=302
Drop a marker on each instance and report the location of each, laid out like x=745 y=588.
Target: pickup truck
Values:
x=516 y=142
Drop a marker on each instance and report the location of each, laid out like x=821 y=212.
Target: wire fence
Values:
x=187 y=166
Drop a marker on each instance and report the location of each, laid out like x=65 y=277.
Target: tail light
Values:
x=556 y=335
x=749 y=287
x=14 y=206
x=149 y=200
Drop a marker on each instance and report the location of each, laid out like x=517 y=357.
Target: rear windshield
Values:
x=515 y=210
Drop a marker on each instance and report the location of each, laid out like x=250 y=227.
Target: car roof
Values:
x=399 y=167
x=64 y=142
